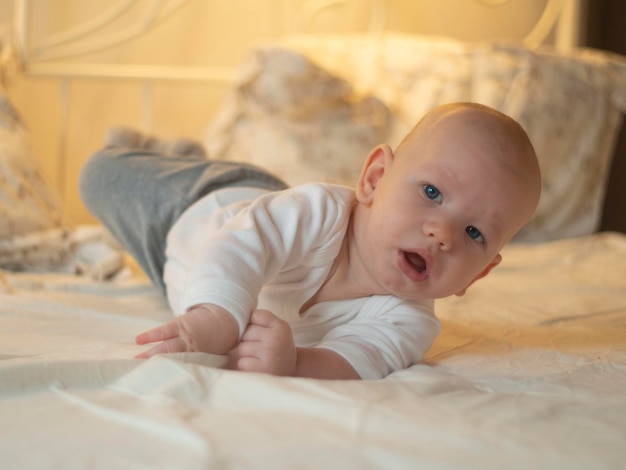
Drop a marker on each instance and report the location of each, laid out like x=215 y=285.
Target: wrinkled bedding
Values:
x=529 y=371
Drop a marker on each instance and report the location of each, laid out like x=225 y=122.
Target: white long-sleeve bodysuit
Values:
x=246 y=248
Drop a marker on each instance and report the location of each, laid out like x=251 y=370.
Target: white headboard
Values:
x=557 y=24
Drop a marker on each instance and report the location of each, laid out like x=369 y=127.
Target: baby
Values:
x=318 y=280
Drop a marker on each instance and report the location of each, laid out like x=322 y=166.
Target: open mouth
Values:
x=416 y=261
x=414 y=265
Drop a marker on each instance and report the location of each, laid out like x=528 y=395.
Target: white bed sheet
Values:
x=529 y=371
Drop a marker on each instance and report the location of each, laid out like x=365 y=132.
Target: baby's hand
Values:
x=267 y=346
x=204 y=328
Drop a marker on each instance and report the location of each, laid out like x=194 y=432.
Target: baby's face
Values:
x=438 y=219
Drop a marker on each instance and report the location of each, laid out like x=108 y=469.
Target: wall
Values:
x=605 y=30
x=67 y=117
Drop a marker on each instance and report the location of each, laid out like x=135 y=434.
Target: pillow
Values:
x=27 y=203
x=33 y=236
x=300 y=121
x=572 y=110
x=571 y=106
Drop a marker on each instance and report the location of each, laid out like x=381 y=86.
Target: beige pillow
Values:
x=33 y=236
x=27 y=202
x=298 y=120
x=570 y=104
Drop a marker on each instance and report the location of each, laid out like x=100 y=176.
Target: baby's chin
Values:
x=456 y=290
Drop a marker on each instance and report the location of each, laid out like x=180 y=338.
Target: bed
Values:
x=529 y=370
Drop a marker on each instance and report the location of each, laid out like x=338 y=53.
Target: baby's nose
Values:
x=440 y=232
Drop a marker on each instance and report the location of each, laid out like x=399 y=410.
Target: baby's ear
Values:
x=496 y=261
x=373 y=169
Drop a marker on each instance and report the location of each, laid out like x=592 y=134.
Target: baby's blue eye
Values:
x=432 y=193
x=474 y=233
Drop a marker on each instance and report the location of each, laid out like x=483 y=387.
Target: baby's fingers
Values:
x=170 y=346
x=161 y=333
x=264 y=318
x=251 y=364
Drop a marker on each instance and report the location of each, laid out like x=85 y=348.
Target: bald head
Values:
x=487 y=130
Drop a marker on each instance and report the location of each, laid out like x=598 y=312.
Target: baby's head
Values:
x=438 y=209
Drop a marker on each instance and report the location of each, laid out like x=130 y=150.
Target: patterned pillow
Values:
x=570 y=104
x=33 y=236
x=27 y=202
x=300 y=121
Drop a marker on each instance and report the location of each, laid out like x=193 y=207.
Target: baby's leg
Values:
x=131 y=138
x=137 y=190
x=121 y=187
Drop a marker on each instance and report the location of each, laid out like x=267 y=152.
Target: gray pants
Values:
x=138 y=194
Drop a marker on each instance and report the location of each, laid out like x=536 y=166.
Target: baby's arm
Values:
x=203 y=328
x=267 y=346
